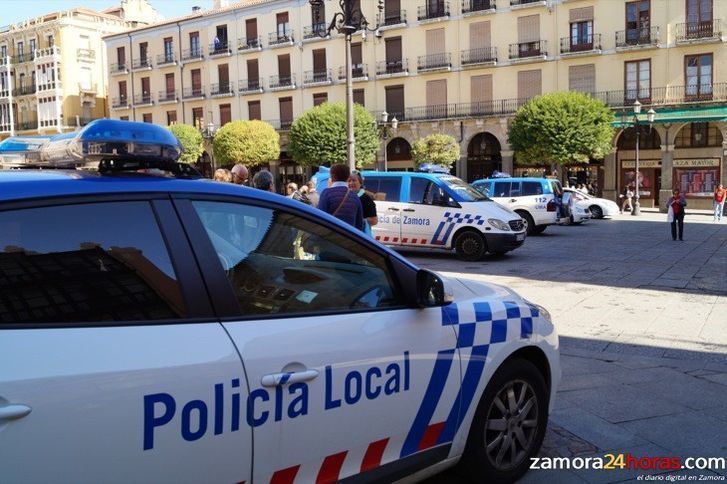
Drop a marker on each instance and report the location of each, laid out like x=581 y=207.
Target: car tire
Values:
x=470 y=245
x=539 y=229
x=524 y=419
x=596 y=211
x=529 y=223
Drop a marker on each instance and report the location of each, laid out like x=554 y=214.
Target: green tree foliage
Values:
x=439 y=149
x=191 y=141
x=561 y=128
x=319 y=136
x=248 y=142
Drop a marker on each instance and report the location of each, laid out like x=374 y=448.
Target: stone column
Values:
x=507 y=161
x=667 y=182
x=610 y=177
x=461 y=165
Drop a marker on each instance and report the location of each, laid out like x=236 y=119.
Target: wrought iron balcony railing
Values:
x=193 y=92
x=585 y=43
x=471 y=6
x=314 y=31
x=706 y=30
x=281 y=38
x=520 y=3
x=250 y=85
x=282 y=82
x=484 y=55
x=526 y=50
x=167 y=96
x=25 y=57
x=220 y=48
x=317 y=77
x=25 y=90
x=120 y=102
x=637 y=37
x=166 y=59
x=433 y=10
x=358 y=71
x=251 y=43
x=141 y=63
x=222 y=89
x=434 y=62
x=192 y=54
x=393 y=18
x=143 y=98
x=392 y=67
x=119 y=68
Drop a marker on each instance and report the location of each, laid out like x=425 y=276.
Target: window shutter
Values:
x=480 y=35
x=251 y=28
x=253 y=73
x=393 y=49
x=284 y=66
x=223 y=75
x=528 y=29
x=319 y=60
x=225 y=114
x=253 y=110
x=395 y=101
x=356 y=55
x=581 y=14
x=437 y=92
x=481 y=88
x=286 y=109
x=358 y=96
x=582 y=78
x=529 y=84
x=435 y=41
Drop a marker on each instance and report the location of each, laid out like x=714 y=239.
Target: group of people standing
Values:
x=345 y=197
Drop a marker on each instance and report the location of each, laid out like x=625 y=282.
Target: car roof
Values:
x=368 y=173
x=516 y=178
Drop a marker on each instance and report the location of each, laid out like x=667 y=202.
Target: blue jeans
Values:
x=718 y=210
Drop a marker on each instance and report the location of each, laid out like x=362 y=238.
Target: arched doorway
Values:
x=483 y=156
x=398 y=155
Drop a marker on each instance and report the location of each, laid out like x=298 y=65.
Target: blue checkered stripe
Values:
x=451 y=220
x=478 y=326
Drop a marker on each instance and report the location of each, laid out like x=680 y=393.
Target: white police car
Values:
x=163 y=329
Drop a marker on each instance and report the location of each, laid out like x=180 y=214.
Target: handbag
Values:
x=670 y=215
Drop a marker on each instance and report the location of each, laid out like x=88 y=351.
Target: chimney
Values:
x=196 y=8
x=216 y=4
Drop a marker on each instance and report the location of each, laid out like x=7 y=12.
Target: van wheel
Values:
x=509 y=424
x=470 y=246
x=529 y=223
x=539 y=229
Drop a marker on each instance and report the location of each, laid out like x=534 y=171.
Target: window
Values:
x=699 y=12
x=386 y=189
x=392 y=12
x=3 y=51
x=418 y=189
x=51 y=40
x=251 y=32
x=197 y=117
x=638 y=80
x=395 y=101
x=638 y=22
x=194 y=47
x=143 y=51
x=122 y=90
x=531 y=188
x=393 y=52
x=171 y=117
x=196 y=81
x=698 y=76
x=429 y=193
x=223 y=76
x=528 y=33
x=319 y=64
x=146 y=117
x=529 y=84
x=320 y=98
x=283 y=26
x=281 y=263
x=145 y=89
x=123 y=118
x=318 y=17
x=286 y=112
x=359 y=97
x=169 y=83
x=58 y=268
x=697 y=135
x=697 y=182
x=221 y=34
x=121 y=56
x=284 y=69
x=253 y=110
x=20 y=49
x=225 y=114
x=169 y=49
x=582 y=78
x=33 y=46
x=501 y=189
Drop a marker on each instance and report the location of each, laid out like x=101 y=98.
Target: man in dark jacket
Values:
x=339 y=201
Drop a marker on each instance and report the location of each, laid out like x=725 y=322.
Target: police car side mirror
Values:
x=432 y=290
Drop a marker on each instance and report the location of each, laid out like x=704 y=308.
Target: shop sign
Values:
x=642 y=163
x=696 y=163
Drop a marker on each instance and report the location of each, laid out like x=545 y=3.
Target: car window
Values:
x=385 y=189
x=436 y=195
x=501 y=189
x=92 y=262
x=463 y=190
x=531 y=188
x=279 y=263
x=556 y=187
x=418 y=189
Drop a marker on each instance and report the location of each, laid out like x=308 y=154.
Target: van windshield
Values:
x=463 y=190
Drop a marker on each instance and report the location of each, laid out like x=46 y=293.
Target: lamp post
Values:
x=650 y=115
x=385 y=134
x=208 y=132
x=349 y=20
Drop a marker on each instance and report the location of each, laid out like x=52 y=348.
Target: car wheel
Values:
x=529 y=223
x=539 y=229
x=596 y=211
x=470 y=246
x=509 y=424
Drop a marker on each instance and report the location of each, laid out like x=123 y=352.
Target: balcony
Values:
x=250 y=86
x=583 y=45
x=461 y=110
x=479 y=57
x=119 y=68
x=22 y=58
x=192 y=55
x=27 y=125
x=282 y=83
x=192 y=93
x=166 y=59
x=434 y=62
x=392 y=20
x=280 y=124
x=433 y=12
x=665 y=96
x=317 y=78
x=637 y=38
x=699 y=32
x=518 y=4
x=167 y=97
x=478 y=7
x=253 y=43
x=144 y=99
x=220 y=49
x=5 y=62
x=359 y=72
x=315 y=32
x=121 y=102
x=528 y=51
x=282 y=39
x=222 y=89
x=141 y=64
x=394 y=68
x=42 y=55
x=25 y=90
x=88 y=55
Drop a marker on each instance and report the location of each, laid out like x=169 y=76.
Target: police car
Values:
x=435 y=210
x=163 y=328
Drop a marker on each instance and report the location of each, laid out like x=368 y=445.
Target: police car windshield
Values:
x=464 y=191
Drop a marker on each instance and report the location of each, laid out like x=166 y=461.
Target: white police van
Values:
x=163 y=328
x=433 y=209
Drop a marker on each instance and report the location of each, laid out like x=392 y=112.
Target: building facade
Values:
x=459 y=67
x=53 y=68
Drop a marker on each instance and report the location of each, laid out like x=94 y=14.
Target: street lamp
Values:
x=385 y=134
x=650 y=115
x=349 y=20
x=208 y=132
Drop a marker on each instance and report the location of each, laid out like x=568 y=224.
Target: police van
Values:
x=159 y=327
x=433 y=209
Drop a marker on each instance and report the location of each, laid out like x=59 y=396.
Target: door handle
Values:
x=284 y=378
x=12 y=412
x=513 y=200
x=393 y=209
x=408 y=210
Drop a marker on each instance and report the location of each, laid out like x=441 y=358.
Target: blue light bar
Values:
x=432 y=168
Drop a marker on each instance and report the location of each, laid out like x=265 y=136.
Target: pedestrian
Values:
x=223 y=175
x=720 y=194
x=627 y=195
x=675 y=213
x=356 y=185
x=339 y=201
x=263 y=180
x=239 y=174
x=216 y=43
x=312 y=193
x=290 y=189
x=296 y=194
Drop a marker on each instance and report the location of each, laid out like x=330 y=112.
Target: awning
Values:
x=673 y=115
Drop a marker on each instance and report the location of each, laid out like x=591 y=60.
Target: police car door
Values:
x=387 y=196
x=424 y=217
x=113 y=367
x=343 y=378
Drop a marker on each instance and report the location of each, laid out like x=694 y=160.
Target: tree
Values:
x=191 y=141
x=248 y=142
x=438 y=149
x=561 y=128
x=319 y=136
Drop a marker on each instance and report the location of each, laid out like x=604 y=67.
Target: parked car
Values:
x=536 y=200
x=576 y=208
x=599 y=207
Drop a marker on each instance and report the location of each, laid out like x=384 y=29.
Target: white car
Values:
x=205 y=332
x=576 y=207
x=599 y=207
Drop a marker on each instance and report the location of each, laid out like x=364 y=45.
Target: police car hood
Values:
x=464 y=288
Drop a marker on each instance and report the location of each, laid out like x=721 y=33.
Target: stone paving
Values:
x=643 y=326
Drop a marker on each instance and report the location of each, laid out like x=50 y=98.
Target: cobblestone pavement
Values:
x=643 y=326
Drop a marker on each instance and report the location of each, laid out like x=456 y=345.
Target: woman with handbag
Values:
x=675 y=213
